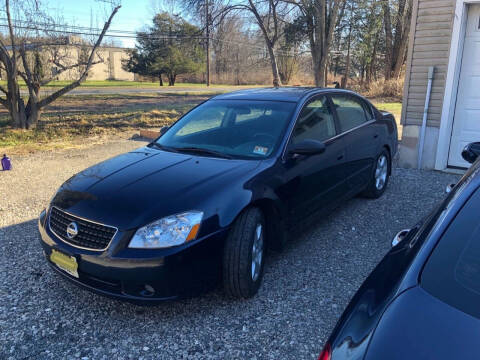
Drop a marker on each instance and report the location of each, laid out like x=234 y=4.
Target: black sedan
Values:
x=422 y=300
x=203 y=202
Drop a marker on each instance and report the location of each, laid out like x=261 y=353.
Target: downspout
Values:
x=424 y=119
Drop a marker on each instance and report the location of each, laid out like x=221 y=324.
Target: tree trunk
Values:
x=32 y=113
x=403 y=42
x=237 y=68
x=322 y=21
x=347 y=69
x=16 y=107
x=171 y=79
x=347 y=65
x=160 y=79
x=335 y=68
x=388 y=40
x=326 y=73
x=273 y=62
x=362 y=71
x=319 y=71
x=371 y=65
x=396 y=45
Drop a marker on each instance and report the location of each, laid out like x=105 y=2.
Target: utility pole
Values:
x=208 y=41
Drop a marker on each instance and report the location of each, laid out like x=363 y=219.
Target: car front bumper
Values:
x=138 y=275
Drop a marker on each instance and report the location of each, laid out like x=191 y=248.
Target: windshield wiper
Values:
x=162 y=147
x=197 y=150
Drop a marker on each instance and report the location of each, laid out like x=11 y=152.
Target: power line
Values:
x=65 y=26
x=259 y=48
x=72 y=30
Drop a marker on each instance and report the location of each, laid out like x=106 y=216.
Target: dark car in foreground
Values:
x=203 y=202
x=422 y=301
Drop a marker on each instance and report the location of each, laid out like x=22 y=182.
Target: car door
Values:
x=315 y=182
x=359 y=131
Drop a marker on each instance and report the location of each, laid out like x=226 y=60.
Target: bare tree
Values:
x=268 y=20
x=268 y=15
x=21 y=58
x=318 y=19
x=396 y=35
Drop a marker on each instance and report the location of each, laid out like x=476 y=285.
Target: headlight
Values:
x=170 y=231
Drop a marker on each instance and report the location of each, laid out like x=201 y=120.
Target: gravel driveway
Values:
x=305 y=289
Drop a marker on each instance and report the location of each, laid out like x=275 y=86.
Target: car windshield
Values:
x=230 y=128
x=452 y=274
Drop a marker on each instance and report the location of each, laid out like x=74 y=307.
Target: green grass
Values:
x=394 y=107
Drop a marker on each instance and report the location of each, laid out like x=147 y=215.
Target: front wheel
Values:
x=378 y=182
x=243 y=255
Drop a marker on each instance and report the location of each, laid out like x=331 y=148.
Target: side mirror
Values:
x=471 y=151
x=307 y=147
x=164 y=129
x=399 y=237
x=449 y=188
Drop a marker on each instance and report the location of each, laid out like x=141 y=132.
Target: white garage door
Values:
x=466 y=123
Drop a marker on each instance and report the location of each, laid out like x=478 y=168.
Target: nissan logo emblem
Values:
x=72 y=230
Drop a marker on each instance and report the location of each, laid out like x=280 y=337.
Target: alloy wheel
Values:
x=381 y=172
x=257 y=252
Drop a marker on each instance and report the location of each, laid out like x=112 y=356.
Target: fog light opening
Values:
x=148 y=291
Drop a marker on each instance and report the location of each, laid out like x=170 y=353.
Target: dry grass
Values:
x=390 y=89
x=79 y=120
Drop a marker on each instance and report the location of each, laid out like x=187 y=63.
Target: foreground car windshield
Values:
x=452 y=273
x=235 y=128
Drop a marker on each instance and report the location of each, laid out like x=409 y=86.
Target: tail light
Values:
x=326 y=353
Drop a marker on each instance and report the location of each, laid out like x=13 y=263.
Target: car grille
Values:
x=90 y=235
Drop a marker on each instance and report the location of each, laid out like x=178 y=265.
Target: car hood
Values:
x=419 y=326
x=135 y=188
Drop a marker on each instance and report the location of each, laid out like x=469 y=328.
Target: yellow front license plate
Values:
x=66 y=263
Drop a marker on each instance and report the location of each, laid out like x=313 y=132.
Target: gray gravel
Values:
x=304 y=292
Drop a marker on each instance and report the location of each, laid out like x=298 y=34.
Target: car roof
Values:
x=286 y=93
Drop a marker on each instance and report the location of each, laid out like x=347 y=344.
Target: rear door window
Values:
x=452 y=273
x=350 y=111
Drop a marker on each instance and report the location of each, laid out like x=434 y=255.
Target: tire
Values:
x=242 y=276
x=380 y=176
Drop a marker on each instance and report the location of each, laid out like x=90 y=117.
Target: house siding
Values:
x=429 y=46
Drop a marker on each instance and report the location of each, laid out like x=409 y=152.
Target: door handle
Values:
x=340 y=157
x=375 y=136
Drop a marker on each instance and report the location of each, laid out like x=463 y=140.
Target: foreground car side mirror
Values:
x=164 y=129
x=307 y=147
x=449 y=188
x=471 y=151
x=402 y=234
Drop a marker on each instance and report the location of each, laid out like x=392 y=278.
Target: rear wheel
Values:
x=380 y=176
x=243 y=256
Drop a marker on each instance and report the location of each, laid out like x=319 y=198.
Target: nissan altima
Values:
x=201 y=204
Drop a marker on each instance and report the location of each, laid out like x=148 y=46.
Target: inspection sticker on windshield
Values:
x=260 y=150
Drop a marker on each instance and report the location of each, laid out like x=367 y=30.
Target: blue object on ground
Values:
x=6 y=163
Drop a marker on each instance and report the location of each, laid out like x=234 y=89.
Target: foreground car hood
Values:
x=138 y=187
x=419 y=326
